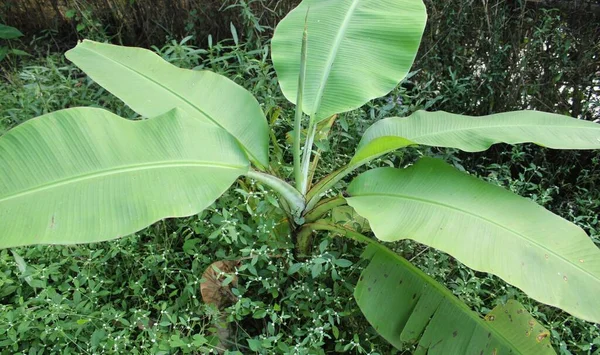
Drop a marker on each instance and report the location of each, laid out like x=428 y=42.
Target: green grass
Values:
x=141 y=294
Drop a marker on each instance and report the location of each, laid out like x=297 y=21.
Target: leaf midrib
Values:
x=521 y=236
x=332 y=56
x=115 y=171
x=174 y=93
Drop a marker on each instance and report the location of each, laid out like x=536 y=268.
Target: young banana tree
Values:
x=85 y=175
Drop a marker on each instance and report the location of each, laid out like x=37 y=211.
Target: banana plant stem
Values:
x=323 y=207
x=348 y=233
x=288 y=192
x=296 y=147
x=306 y=153
x=314 y=196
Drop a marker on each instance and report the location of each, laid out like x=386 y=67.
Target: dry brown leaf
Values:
x=214 y=292
x=212 y=289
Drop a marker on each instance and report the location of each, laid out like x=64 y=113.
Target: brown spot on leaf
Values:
x=489 y=335
x=546 y=256
x=414 y=296
x=455 y=333
x=565 y=278
x=519 y=311
x=581 y=260
x=495 y=352
x=369 y=289
x=542 y=336
x=52 y=222
x=510 y=317
x=385 y=275
x=401 y=281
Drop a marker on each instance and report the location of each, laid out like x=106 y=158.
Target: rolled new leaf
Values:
x=151 y=86
x=485 y=227
x=357 y=50
x=85 y=175
x=474 y=134
x=407 y=307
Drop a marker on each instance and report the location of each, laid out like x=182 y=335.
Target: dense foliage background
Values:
x=142 y=293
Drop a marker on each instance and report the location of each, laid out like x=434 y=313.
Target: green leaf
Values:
x=342 y=262
x=19 y=53
x=254 y=345
x=97 y=336
x=294 y=268
x=152 y=86
x=316 y=270
x=8 y=32
x=234 y=34
x=347 y=217
x=85 y=175
x=406 y=306
x=22 y=266
x=357 y=50
x=3 y=52
x=485 y=227
x=475 y=134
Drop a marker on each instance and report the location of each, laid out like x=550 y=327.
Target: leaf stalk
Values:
x=288 y=192
x=348 y=233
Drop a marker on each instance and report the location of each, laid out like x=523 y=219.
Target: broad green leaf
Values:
x=152 y=86
x=474 y=134
x=357 y=50
x=8 y=32
x=406 y=307
x=84 y=175
x=485 y=227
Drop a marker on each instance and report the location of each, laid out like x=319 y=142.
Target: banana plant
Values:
x=85 y=175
